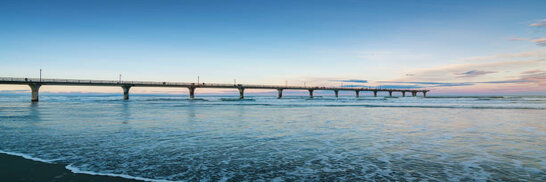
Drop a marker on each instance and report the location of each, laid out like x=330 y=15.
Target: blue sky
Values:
x=270 y=42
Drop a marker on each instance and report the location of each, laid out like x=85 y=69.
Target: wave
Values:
x=425 y=106
x=73 y=169
x=457 y=97
x=175 y=99
x=229 y=99
x=379 y=105
x=28 y=157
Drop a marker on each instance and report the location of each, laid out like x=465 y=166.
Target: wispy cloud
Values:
x=350 y=81
x=453 y=84
x=400 y=86
x=431 y=84
x=539 y=23
x=354 y=86
x=540 y=41
x=457 y=72
x=505 y=81
x=474 y=73
x=532 y=72
x=521 y=55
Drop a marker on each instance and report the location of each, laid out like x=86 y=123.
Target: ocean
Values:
x=261 y=138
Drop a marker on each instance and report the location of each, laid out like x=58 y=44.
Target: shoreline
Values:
x=19 y=168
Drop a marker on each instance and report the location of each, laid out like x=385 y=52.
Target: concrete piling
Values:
x=241 y=93
x=35 y=89
x=192 y=92
x=126 y=89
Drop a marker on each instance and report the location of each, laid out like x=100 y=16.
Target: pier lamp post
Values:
x=197 y=80
x=119 y=78
x=40 y=75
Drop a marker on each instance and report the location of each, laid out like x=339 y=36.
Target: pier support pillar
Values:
x=35 y=89
x=390 y=93
x=403 y=93
x=357 y=93
x=126 y=89
x=241 y=93
x=192 y=92
x=336 y=92
x=424 y=94
x=279 y=95
x=375 y=93
x=413 y=93
x=311 y=93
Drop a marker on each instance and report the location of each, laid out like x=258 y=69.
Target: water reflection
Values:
x=125 y=112
x=34 y=112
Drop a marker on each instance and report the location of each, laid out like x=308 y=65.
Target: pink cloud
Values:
x=540 y=41
x=474 y=73
x=539 y=23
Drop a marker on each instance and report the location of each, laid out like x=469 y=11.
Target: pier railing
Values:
x=47 y=81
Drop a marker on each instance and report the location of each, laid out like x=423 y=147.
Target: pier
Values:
x=36 y=83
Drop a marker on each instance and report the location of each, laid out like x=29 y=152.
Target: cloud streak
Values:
x=539 y=23
x=521 y=55
x=540 y=41
x=534 y=76
x=350 y=81
x=430 y=84
x=400 y=86
x=354 y=86
x=474 y=73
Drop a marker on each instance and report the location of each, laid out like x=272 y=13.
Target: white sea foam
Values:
x=26 y=156
x=77 y=170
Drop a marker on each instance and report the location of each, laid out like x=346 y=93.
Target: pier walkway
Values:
x=36 y=83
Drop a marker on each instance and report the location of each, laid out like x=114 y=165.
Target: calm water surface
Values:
x=294 y=138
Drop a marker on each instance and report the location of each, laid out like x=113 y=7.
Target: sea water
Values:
x=221 y=138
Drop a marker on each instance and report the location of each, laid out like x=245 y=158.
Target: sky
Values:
x=449 y=47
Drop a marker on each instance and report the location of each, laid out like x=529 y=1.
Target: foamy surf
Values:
x=73 y=169
x=28 y=157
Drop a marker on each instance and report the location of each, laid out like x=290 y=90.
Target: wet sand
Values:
x=15 y=168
